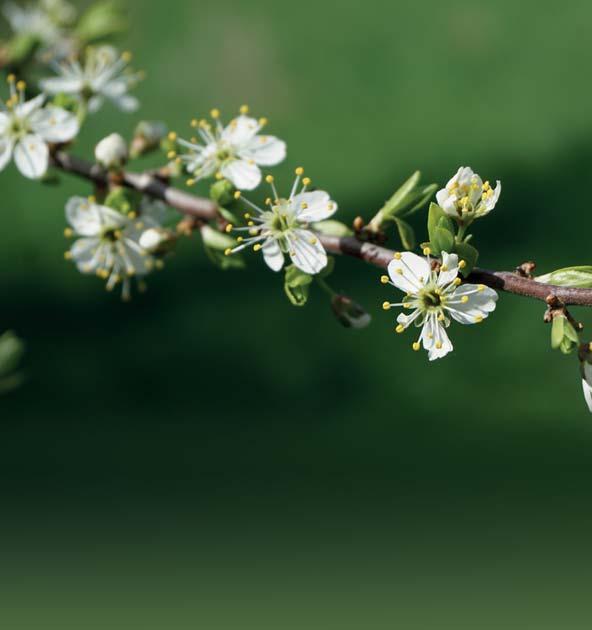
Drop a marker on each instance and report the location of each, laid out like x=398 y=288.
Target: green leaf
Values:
x=557 y=331
x=422 y=197
x=397 y=201
x=229 y=216
x=332 y=228
x=297 y=285
x=441 y=241
x=123 y=200
x=469 y=254
x=22 y=47
x=101 y=20
x=577 y=277
x=437 y=218
x=222 y=192
x=406 y=234
x=564 y=336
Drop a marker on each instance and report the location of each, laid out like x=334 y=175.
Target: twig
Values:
x=207 y=210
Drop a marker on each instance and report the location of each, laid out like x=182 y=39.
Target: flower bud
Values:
x=222 y=192
x=349 y=314
x=111 y=152
x=147 y=137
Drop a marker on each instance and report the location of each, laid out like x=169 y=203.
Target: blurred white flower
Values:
x=104 y=76
x=109 y=242
x=435 y=296
x=234 y=152
x=466 y=197
x=111 y=152
x=26 y=128
x=31 y=20
x=284 y=227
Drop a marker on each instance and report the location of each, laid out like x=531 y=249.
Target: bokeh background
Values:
x=211 y=457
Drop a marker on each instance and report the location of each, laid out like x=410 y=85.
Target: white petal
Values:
x=434 y=338
x=243 y=175
x=95 y=103
x=273 y=255
x=265 y=150
x=5 y=152
x=64 y=85
x=313 y=206
x=306 y=251
x=55 y=124
x=409 y=273
x=446 y=201
x=4 y=122
x=240 y=131
x=89 y=219
x=480 y=302
x=84 y=252
x=26 y=109
x=31 y=156
x=450 y=263
x=587 y=394
x=127 y=103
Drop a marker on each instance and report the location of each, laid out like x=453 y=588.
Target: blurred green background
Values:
x=210 y=457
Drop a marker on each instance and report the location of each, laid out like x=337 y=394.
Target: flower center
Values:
x=282 y=218
x=18 y=127
x=111 y=234
x=430 y=300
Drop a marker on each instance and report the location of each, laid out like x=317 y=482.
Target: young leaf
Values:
x=297 y=285
x=406 y=234
x=557 y=331
x=578 y=277
x=441 y=240
x=332 y=228
x=469 y=254
x=438 y=218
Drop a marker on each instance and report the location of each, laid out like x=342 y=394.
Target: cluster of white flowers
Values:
x=283 y=228
x=234 y=152
x=104 y=75
x=111 y=245
x=27 y=127
x=467 y=197
x=434 y=295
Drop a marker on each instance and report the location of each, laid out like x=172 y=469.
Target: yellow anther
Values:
x=399 y=271
x=21 y=86
x=481 y=288
x=215 y=113
x=438 y=345
x=257 y=247
x=227 y=252
x=195 y=123
x=172 y=155
x=304 y=205
x=228 y=229
x=478 y=319
x=427 y=251
x=68 y=255
x=416 y=346
x=397 y=256
x=247 y=216
x=464 y=299
x=92 y=199
x=457 y=281
x=190 y=182
x=400 y=329
x=462 y=264
x=240 y=239
x=386 y=306
x=178 y=160
x=313 y=241
x=306 y=181
x=444 y=268
x=172 y=136
x=131 y=215
x=159 y=264
x=250 y=223
x=299 y=171
x=127 y=56
x=219 y=176
x=263 y=122
x=384 y=279
x=269 y=179
x=486 y=186
x=237 y=194
x=68 y=232
x=11 y=78
x=244 y=109
x=268 y=201
x=441 y=317
x=253 y=232
x=406 y=305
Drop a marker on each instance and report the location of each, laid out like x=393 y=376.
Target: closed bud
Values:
x=222 y=192
x=157 y=241
x=111 y=152
x=349 y=314
x=147 y=137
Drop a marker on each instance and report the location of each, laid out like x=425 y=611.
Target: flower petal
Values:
x=62 y=85
x=435 y=339
x=449 y=269
x=5 y=152
x=313 y=206
x=240 y=131
x=89 y=219
x=409 y=273
x=242 y=174
x=471 y=303
x=31 y=156
x=587 y=394
x=24 y=110
x=306 y=251
x=273 y=254
x=265 y=150
x=86 y=255
x=55 y=124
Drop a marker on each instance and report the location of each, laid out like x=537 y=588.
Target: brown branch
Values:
x=207 y=210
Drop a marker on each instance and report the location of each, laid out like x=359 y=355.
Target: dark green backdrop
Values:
x=209 y=456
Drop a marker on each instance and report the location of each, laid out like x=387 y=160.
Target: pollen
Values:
x=244 y=109
x=127 y=56
x=306 y=181
x=21 y=86
x=481 y=288
x=237 y=194
x=68 y=255
x=438 y=345
x=386 y=306
x=400 y=329
x=457 y=281
x=304 y=205
x=11 y=78
x=416 y=346
x=299 y=171
x=240 y=239
x=172 y=155
x=427 y=251
x=263 y=122
x=384 y=279
x=462 y=264
x=195 y=123
x=478 y=319
x=215 y=113
x=397 y=256
x=269 y=179
x=190 y=182
x=228 y=252
x=229 y=228
x=464 y=299
x=68 y=232
x=172 y=136
x=257 y=247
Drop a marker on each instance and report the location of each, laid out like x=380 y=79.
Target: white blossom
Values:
x=586 y=369
x=108 y=242
x=434 y=298
x=111 y=152
x=234 y=152
x=31 y=20
x=26 y=128
x=467 y=197
x=104 y=75
x=284 y=227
